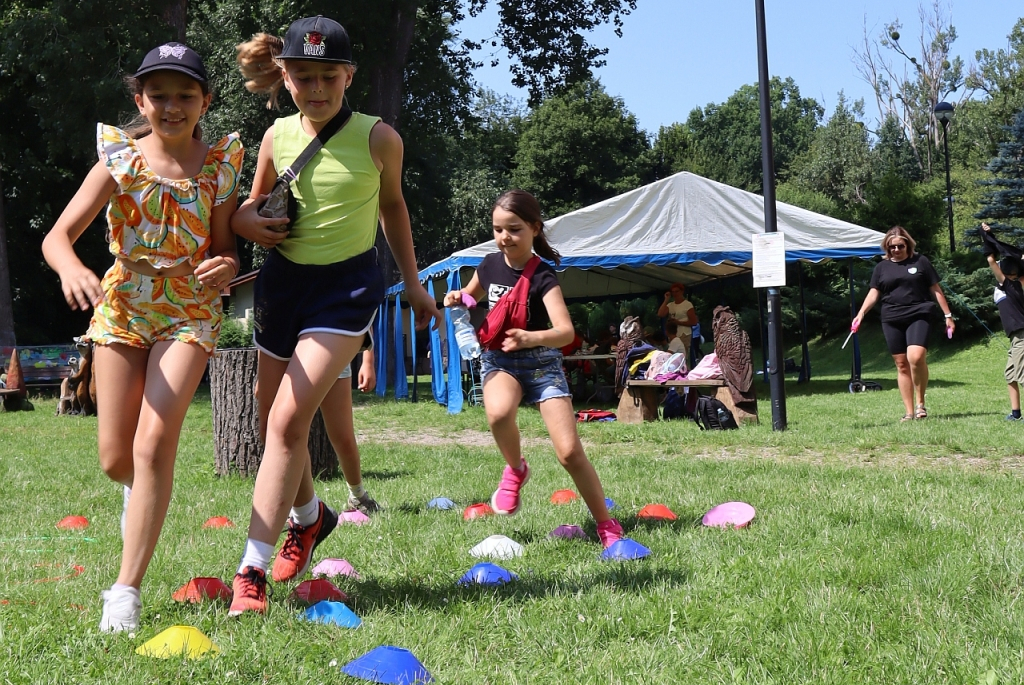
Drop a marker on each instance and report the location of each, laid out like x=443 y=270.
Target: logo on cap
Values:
x=314 y=45
x=172 y=51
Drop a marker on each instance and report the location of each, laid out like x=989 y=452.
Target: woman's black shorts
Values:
x=901 y=334
x=291 y=299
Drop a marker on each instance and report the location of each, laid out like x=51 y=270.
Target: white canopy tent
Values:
x=684 y=228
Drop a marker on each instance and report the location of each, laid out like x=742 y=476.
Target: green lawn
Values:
x=881 y=553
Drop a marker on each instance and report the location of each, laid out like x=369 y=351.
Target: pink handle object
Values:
x=468 y=300
x=854 y=326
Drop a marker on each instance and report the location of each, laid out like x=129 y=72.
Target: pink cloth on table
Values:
x=707 y=368
x=674 y=376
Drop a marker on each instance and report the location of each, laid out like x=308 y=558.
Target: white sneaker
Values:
x=121 y=610
x=124 y=509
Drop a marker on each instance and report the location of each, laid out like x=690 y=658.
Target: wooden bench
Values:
x=639 y=401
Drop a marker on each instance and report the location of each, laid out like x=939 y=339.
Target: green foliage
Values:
x=234 y=333
x=546 y=40
x=970 y=291
x=728 y=135
x=578 y=148
x=60 y=73
x=1004 y=201
x=893 y=200
x=838 y=162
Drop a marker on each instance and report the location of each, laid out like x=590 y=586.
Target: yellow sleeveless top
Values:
x=338 y=191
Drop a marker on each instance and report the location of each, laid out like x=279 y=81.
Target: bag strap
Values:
x=291 y=173
x=531 y=266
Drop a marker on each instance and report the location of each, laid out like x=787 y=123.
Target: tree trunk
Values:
x=175 y=14
x=385 y=97
x=236 y=427
x=6 y=301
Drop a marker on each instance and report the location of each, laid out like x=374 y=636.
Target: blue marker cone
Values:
x=387 y=664
x=441 y=503
x=332 y=612
x=609 y=502
x=624 y=550
x=487 y=574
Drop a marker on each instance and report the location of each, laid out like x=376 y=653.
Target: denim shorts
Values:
x=538 y=370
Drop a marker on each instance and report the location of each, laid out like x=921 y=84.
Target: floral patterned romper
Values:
x=162 y=222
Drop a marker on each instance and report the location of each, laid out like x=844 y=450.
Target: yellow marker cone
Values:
x=176 y=641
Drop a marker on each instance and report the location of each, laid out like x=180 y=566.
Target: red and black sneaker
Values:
x=249 y=592
x=297 y=551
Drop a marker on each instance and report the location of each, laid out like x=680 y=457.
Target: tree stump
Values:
x=236 y=428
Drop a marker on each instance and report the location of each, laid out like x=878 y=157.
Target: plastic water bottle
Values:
x=465 y=336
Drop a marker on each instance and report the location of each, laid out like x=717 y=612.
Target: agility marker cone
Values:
x=387 y=664
x=730 y=514
x=177 y=641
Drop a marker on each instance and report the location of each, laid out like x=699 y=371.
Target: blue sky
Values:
x=676 y=55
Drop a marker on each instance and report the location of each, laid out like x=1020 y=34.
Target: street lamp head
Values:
x=944 y=112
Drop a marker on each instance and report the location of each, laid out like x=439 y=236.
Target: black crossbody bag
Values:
x=280 y=202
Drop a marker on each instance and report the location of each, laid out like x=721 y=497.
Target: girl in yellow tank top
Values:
x=318 y=291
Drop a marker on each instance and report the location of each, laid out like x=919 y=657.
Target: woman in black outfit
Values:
x=908 y=286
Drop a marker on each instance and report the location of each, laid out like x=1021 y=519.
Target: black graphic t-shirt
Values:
x=497 y=278
x=905 y=288
x=1009 y=298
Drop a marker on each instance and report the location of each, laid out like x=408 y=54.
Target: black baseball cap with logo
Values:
x=319 y=39
x=174 y=57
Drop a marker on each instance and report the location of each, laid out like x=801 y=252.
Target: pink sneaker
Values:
x=609 y=532
x=505 y=500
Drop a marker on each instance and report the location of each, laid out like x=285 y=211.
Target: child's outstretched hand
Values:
x=452 y=297
x=215 y=272
x=81 y=287
x=423 y=304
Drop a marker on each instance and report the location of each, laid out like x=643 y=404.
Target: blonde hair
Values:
x=258 y=62
x=898 y=232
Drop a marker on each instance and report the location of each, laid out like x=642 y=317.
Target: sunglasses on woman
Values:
x=897 y=246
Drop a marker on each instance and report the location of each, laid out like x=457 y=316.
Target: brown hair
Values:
x=263 y=72
x=898 y=232
x=525 y=206
x=139 y=126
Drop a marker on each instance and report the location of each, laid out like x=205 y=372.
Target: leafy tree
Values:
x=60 y=69
x=1004 y=202
x=893 y=152
x=909 y=95
x=838 y=163
x=728 y=136
x=578 y=148
x=674 y=150
x=1000 y=75
x=893 y=200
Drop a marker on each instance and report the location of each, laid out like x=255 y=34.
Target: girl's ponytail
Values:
x=257 y=60
x=525 y=206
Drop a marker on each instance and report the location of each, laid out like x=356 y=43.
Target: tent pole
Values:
x=856 y=342
x=775 y=349
x=805 y=362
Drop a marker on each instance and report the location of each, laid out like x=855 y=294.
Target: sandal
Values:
x=907 y=417
x=921 y=412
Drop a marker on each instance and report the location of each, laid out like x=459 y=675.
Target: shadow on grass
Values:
x=386 y=475
x=370 y=595
x=842 y=387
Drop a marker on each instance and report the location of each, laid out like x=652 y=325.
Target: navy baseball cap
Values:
x=174 y=57
x=319 y=39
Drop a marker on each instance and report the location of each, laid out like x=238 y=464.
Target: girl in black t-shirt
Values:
x=908 y=287
x=528 y=365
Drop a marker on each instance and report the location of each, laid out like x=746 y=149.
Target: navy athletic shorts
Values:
x=292 y=299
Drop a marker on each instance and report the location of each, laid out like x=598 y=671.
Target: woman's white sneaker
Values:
x=121 y=610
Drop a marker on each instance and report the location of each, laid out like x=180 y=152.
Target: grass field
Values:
x=881 y=553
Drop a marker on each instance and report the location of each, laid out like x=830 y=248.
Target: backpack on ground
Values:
x=673 y=406
x=712 y=414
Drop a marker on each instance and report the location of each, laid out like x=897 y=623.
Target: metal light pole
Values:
x=944 y=114
x=776 y=380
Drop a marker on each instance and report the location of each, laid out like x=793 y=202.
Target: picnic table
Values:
x=596 y=369
x=640 y=399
